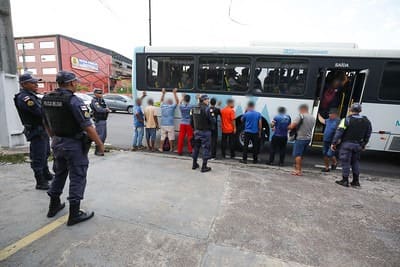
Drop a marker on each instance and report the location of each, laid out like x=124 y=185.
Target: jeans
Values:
x=138 y=133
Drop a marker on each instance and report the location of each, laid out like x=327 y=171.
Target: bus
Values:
x=280 y=76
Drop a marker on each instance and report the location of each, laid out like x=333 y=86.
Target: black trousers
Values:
x=214 y=139
x=278 y=145
x=255 y=140
x=228 y=141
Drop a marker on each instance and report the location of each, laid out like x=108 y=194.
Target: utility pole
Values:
x=11 y=133
x=149 y=22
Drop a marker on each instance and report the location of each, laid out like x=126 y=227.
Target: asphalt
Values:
x=153 y=210
x=377 y=163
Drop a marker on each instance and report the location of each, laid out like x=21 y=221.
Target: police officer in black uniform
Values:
x=215 y=112
x=67 y=120
x=29 y=109
x=353 y=134
x=202 y=122
x=100 y=115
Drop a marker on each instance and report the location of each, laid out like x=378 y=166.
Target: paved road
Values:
x=153 y=210
x=373 y=162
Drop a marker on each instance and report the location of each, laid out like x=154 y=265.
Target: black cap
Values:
x=65 y=77
x=27 y=77
x=356 y=107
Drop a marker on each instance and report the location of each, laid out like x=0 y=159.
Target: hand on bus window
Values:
x=144 y=94
x=175 y=90
x=163 y=91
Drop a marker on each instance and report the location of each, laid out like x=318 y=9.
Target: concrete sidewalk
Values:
x=153 y=210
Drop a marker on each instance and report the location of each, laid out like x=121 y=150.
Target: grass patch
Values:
x=13 y=158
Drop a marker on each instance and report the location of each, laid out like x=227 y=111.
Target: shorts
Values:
x=327 y=151
x=151 y=134
x=300 y=147
x=168 y=131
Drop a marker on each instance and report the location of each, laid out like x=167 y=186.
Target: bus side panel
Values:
x=141 y=72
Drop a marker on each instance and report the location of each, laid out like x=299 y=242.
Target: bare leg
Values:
x=326 y=162
x=334 y=160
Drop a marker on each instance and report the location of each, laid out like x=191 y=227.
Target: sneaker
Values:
x=134 y=148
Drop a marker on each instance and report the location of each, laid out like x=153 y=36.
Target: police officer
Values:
x=100 y=115
x=215 y=112
x=353 y=134
x=202 y=124
x=67 y=120
x=30 y=112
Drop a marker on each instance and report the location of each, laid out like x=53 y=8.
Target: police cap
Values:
x=27 y=77
x=356 y=107
x=204 y=97
x=97 y=91
x=65 y=77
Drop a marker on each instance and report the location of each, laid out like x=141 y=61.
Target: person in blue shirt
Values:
x=167 y=119
x=138 y=124
x=252 y=121
x=279 y=125
x=185 y=129
x=331 y=124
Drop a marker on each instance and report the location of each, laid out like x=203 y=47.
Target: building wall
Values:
x=40 y=50
x=89 y=79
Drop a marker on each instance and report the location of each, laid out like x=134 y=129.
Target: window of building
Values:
x=41 y=85
x=283 y=77
x=32 y=71
x=49 y=71
x=390 y=89
x=170 y=72
x=224 y=73
x=47 y=44
x=27 y=59
x=27 y=46
x=48 y=58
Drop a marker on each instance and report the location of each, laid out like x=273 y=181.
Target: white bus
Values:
x=283 y=76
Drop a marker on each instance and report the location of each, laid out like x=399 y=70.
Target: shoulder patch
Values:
x=26 y=98
x=87 y=114
x=30 y=103
x=84 y=108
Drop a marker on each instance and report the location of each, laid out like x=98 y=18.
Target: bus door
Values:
x=350 y=83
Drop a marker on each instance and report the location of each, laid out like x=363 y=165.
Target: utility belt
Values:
x=83 y=138
x=31 y=131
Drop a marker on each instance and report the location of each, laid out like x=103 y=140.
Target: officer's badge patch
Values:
x=84 y=108
x=87 y=114
x=30 y=103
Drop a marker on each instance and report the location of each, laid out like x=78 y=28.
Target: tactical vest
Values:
x=200 y=119
x=356 y=128
x=99 y=116
x=28 y=119
x=58 y=113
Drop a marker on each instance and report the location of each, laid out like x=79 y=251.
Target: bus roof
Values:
x=288 y=50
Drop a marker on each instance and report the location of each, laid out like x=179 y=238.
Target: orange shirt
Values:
x=227 y=116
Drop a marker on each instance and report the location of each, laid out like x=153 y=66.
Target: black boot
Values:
x=76 y=215
x=356 y=181
x=41 y=182
x=48 y=175
x=55 y=206
x=343 y=182
x=205 y=168
x=195 y=165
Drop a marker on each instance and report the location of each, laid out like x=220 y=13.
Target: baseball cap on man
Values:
x=27 y=77
x=204 y=97
x=356 y=107
x=65 y=77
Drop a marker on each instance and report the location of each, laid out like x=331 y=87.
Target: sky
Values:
x=121 y=25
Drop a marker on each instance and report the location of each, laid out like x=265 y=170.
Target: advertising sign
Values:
x=83 y=64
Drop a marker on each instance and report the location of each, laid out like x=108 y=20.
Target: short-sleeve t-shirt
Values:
x=185 y=113
x=149 y=113
x=227 y=116
x=251 y=119
x=330 y=129
x=305 y=130
x=282 y=122
x=138 y=122
x=167 y=114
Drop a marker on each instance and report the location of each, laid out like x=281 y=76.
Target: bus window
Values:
x=390 y=82
x=224 y=73
x=280 y=77
x=170 y=72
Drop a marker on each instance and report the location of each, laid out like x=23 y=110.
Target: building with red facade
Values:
x=95 y=66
